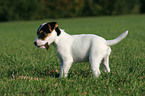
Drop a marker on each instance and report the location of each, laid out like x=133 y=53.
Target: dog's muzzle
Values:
x=43 y=46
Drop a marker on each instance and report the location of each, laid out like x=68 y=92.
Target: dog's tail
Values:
x=118 y=39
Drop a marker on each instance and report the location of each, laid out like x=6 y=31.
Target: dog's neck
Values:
x=63 y=35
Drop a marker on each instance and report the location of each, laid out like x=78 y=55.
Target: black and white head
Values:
x=46 y=34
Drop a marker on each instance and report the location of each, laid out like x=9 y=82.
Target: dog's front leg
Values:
x=61 y=69
x=64 y=67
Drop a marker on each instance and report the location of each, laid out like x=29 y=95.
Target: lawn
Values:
x=27 y=70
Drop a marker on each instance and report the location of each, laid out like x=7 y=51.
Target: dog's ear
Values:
x=52 y=26
x=58 y=31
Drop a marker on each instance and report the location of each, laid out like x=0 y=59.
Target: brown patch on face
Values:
x=52 y=26
x=43 y=35
x=49 y=26
x=48 y=34
x=41 y=31
x=56 y=25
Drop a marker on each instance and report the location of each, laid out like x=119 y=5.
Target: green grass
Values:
x=26 y=70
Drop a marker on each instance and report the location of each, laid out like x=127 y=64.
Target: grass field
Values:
x=26 y=70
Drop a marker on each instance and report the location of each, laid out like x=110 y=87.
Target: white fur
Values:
x=81 y=48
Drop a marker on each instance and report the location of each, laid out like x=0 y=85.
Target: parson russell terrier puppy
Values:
x=76 y=48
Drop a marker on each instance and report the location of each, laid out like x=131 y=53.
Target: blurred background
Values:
x=11 y=10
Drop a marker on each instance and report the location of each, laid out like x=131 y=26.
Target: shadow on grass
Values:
x=47 y=72
x=80 y=73
x=71 y=74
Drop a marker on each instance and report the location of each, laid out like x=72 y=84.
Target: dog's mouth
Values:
x=44 y=46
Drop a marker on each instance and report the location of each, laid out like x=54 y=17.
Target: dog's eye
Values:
x=43 y=35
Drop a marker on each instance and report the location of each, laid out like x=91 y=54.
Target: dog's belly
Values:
x=80 y=54
x=80 y=58
x=80 y=50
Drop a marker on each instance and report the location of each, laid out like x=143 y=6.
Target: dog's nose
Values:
x=35 y=43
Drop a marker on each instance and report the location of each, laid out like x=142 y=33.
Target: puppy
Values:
x=76 y=48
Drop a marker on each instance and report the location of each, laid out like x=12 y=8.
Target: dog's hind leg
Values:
x=106 y=61
x=95 y=64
